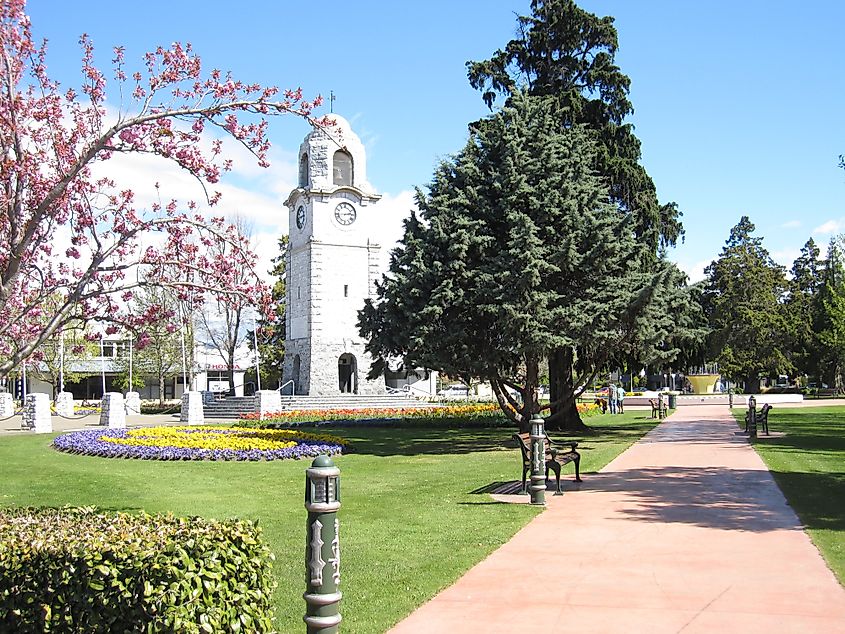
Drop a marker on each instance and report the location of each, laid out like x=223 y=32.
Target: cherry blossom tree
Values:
x=68 y=232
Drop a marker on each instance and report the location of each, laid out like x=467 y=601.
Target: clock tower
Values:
x=332 y=265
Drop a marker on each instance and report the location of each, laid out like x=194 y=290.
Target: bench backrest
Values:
x=523 y=439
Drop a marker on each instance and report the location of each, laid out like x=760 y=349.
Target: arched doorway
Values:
x=297 y=365
x=347 y=373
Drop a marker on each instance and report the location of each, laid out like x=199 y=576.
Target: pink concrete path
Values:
x=684 y=532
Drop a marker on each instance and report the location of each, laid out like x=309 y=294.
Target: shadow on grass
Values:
x=811 y=495
x=712 y=497
x=418 y=440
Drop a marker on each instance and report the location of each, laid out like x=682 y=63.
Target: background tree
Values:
x=56 y=358
x=157 y=342
x=224 y=329
x=803 y=307
x=517 y=253
x=271 y=329
x=743 y=301
x=830 y=317
x=51 y=140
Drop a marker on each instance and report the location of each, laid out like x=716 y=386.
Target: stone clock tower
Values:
x=332 y=265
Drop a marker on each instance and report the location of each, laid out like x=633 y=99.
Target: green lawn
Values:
x=808 y=463
x=410 y=522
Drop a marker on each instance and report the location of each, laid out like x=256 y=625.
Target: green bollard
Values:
x=322 y=547
x=730 y=398
x=538 y=461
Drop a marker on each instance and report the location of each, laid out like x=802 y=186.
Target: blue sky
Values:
x=739 y=105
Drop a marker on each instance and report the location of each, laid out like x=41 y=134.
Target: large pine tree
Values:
x=568 y=54
x=518 y=253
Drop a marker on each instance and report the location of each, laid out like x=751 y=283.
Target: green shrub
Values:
x=80 y=570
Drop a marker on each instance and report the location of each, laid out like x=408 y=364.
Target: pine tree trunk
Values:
x=564 y=416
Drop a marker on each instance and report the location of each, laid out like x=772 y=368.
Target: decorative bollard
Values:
x=661 y=407
x=322 y=547
x=132 y=402
x=64 y=404
x=36 y=413
x=752 y=417
x=538 y=461
x=730 y=398
x=112 y=411
x=192 y=412
x=7 y=405
x=266 y=402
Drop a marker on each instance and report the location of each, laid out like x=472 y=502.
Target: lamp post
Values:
x=752 y=417
x=322 y=547
x=538 y=461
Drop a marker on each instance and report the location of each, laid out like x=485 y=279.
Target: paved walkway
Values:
x=684 y=532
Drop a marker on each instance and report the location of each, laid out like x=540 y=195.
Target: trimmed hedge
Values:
x=80 y=570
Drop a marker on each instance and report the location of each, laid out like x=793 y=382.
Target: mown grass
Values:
x=808 y=463
x=411 y=523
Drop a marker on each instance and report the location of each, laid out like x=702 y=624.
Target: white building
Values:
x=333 y=262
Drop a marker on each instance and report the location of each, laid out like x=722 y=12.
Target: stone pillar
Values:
x=7 y=405
x=113 y=411
x=64 y=404
x=36 y=414
x=133 y=403
x=267 y=401
x=192 y=412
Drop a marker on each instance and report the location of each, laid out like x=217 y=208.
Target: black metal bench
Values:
x=555 y=458
x=762 y=418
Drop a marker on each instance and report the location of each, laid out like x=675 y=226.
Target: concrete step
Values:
x=234 y=406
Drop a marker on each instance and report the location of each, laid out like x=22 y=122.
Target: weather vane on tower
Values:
x=331 y=101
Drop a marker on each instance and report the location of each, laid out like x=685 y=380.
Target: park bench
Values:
x=762 y=418
x=555 y=458
x=656 y=405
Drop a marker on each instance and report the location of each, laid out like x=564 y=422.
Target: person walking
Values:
x=620 y=399
x=611 y=398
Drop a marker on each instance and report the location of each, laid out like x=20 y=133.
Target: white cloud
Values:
x=786 y=256
x=695 y=271
x=392 y=211
x=829 y=227
x=791 y=224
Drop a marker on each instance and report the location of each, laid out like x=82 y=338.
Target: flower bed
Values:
x=473 y=411
x=199 y=443
x=465 y=415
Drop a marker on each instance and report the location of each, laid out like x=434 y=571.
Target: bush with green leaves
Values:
x=83 y=570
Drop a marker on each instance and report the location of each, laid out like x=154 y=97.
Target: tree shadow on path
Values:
x=711 y=497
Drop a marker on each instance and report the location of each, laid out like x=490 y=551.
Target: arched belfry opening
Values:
x=342 y=168
x=347 y=373
x=303 y=170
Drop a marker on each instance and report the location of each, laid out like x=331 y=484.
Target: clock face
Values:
x=345 y=214
x=300 y=217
